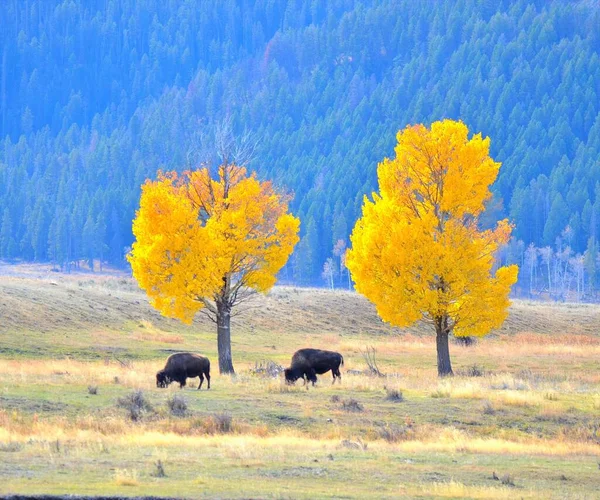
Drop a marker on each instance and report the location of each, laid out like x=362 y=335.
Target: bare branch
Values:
x=208 y=305
x=209 y=315
x=232 y=149
x=369 y=357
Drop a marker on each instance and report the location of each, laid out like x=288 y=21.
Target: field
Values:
x=520 y=420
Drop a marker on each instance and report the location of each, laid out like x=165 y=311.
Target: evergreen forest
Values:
x=96 y=96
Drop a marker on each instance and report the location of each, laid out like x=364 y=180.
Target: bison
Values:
x=181 y=366
x=307 y=363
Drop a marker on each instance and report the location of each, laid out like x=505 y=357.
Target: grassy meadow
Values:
x=80 y=412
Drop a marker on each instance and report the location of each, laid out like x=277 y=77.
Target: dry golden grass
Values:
x=455 y=489
x=537 y=401
x=124 y=477
x=119 y=432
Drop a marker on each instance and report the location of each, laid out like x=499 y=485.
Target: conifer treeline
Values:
x=96 y=96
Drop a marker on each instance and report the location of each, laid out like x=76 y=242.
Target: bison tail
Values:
x=342 y=359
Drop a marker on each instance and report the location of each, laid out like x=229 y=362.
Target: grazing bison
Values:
x=181 y=366
x=307 y=363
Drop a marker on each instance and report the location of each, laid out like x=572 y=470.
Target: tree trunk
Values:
x=443 y=351
x=224 y=338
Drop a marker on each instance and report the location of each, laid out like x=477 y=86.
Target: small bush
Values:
x=507 y=480
x=93 y=389
x=335 y=398
x=136 y=405
x=488 y=408
x=551 y=396
x=473 y=371
x=370 y=358
x=359 y=444
x=55 y=447
x=159 y=470
x=11 y=447
x=267 y=368
x=394 y=395
x=219 y=423
x=177 y=405
x=465 y=341
x=394 y=433
x=116 y=380
x=352 y=405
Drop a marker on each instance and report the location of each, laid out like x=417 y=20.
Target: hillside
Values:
x=91 y=316
x=95 y=97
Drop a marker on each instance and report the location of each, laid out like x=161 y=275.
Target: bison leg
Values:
x=201 y=380
x=182 y=383
x=208 y=380
x=336 y=374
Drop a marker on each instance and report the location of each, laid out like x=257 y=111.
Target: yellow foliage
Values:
x=199 y=238
x=417 y=252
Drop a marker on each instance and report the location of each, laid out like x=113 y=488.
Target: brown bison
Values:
x=307 y=363
x=181 y=366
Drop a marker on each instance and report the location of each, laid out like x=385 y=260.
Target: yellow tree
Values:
x=206 y=244
x=417 y=252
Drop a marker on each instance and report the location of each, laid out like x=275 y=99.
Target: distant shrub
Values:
x=136 y=405
x=394 y=433
x=370 y=358
x=473 y=371
x=92 y=389
x=335 y=398
x=352 y=405
x=116 y=380
x=488 y=408
x=177 y=405
x=359 y=444
x=394 y=395
x=267 y=368
x=551 y=396
x=465 y=341
x=11 y=447
x=159 y=470
x=219 y=423
x=507 y=480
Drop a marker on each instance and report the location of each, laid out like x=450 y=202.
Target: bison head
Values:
x=291 y=375
x=162 y=380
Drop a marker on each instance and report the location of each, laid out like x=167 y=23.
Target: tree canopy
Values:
x=417 y=251
x=204 y=243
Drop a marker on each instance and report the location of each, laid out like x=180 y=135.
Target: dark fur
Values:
x=307 y=363
x=181 y=366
